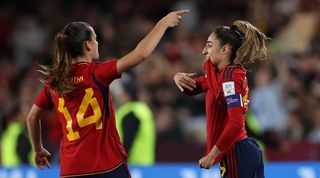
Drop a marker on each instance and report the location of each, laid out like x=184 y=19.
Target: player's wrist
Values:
x=215 y=151
x=37 y=148
x=162 y=23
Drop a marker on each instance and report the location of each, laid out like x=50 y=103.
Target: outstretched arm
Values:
x=149 y=43
x=34 y=128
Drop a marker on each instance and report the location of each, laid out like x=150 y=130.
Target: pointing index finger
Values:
x=180 y=12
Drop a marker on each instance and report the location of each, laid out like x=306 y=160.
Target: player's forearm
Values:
x=197 y=90
x=232 y=129
x=34 y=128
x=149 y=43
x=143 y=49
x=214 y=152
x=34 y=133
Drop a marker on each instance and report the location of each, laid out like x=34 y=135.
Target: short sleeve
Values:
x=107 y=71
x=44 y=99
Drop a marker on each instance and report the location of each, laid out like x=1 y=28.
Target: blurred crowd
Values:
x=284 y=89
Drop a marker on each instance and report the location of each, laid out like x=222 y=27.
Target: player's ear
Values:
x=87 y=45
x=226 y=49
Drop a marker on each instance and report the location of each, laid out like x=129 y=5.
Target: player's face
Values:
x=213 y=50
x=94 y=53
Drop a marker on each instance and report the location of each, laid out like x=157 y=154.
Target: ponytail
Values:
x=59 y=73
x=253 y=45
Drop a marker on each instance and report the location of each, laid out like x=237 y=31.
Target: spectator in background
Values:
x=314 y=135
x=266 y=100
x=136 y=126
x=15 y=146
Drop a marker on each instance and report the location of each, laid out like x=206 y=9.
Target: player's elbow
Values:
x=143 y=54
x=143 y=51
x=34 y=115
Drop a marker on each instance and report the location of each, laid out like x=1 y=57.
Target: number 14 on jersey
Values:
x=88 y=100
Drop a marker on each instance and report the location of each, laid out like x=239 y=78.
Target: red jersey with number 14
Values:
x=90 y=142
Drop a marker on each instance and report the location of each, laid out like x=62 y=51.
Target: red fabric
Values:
x=43 y=100
x=224 y=125
x=232 y=163
x=96 y=149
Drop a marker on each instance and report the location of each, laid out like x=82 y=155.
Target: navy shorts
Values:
x=243 y=160
x=121 y=171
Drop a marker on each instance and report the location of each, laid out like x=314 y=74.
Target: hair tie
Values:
x=237 y=31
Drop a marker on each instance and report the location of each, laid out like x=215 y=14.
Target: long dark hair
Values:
x=68 y=44
x=247 y=42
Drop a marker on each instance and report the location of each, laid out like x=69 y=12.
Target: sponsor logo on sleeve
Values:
x=228 y=88
x=234 y=100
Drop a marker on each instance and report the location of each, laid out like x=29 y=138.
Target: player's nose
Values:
x=204 y=51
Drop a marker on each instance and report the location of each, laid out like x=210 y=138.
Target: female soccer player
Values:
x=226 y=91
x=78 y=90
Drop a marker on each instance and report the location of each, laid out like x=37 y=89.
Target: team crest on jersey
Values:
x=228 y=88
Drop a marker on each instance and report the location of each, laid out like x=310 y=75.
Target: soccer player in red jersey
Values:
x=226 y=91
x=78 y=90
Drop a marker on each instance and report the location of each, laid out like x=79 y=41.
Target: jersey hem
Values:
x=92 y=173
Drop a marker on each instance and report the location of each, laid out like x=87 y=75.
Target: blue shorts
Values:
x=121 y=171
x=243 y=160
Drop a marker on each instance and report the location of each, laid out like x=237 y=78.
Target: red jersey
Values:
x=90 y=142
x=225 y=91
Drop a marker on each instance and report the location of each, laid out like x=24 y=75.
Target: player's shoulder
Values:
x=103 y=65
x=104 y=62
x=233 y=71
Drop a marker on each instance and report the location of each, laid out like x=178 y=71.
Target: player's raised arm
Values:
x=149 y=42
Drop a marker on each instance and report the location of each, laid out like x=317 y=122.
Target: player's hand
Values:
x=185 y=80
x=206 y=162
x=173 y=18
x=41 y=159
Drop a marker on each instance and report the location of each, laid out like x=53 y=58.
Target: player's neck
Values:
x=223 y=64
x=81 y=59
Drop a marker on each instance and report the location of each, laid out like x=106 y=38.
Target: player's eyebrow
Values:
x=209 y=42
